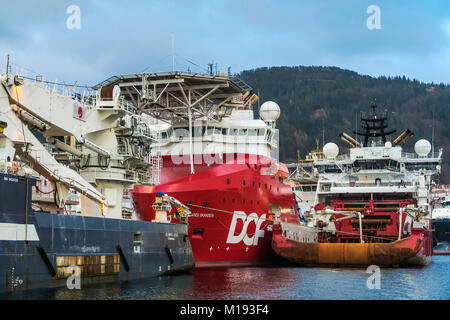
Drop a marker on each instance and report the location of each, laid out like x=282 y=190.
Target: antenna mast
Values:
x=432 y=135
x=323 y=134
x=173 y=52
x=7 y=66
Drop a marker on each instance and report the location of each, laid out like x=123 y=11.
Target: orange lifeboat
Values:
x=282 y=171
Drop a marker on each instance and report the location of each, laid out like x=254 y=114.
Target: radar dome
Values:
x=330 y=150
x=388 y=144
x=269 y=111
x=116 y=93
x=422 y=147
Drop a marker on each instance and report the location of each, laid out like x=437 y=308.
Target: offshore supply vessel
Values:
x=218 y=160
x=441 y=218
x=371 y=207
x=91 y=143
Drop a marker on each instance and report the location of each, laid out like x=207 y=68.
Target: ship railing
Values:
x=343 y=157
x=83 y=94
x=412 y=155
x=155 y=162
x=73 y=198
x=372 y=184
x=149 y=176
x=3 y=165
x=144 y=176
x=131 y=175
x=109 y=103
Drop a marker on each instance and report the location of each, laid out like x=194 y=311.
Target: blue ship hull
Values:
x=40 y=249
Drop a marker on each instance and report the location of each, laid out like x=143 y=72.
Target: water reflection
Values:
x=256 y=283
x=243 y=283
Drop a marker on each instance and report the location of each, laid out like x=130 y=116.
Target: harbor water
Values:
x=269 y=283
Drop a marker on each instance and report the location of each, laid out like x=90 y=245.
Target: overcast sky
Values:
x=123 y=37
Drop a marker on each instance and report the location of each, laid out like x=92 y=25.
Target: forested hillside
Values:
x=317 y=100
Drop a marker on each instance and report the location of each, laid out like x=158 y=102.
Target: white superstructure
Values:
x=377 y=171
x=89 y=141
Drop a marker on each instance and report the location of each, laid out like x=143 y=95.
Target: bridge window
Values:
x=198 y=131
x=376 y=164
x=182 y=132
x=421 y=165
x=252 y=132
x=328 y=169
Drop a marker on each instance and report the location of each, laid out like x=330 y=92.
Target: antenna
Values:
x=323 y=134
x=259 y=99
x=7 y=66
x=173 y=52
x=210 y=68
x=432 y=135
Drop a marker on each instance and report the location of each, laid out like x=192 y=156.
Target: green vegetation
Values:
x=314 y=100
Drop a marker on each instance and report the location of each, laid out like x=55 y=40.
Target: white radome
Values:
x=388 y=144
x=116 y=93
x=269 y=111
x=330 y=150
x=422 y=147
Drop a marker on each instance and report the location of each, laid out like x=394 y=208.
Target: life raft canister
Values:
x=278 y=170
x=13 y=167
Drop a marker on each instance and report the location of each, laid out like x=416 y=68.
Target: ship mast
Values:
x=374 y=126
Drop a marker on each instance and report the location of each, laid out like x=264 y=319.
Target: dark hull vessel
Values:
x=441 y=236
x=40 y=249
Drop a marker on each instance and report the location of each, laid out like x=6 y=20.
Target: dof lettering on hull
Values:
x=89 y=265
x=243 y=236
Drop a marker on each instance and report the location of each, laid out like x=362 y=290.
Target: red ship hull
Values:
x=407 y=251
x=381 y=244
x=233 y=207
